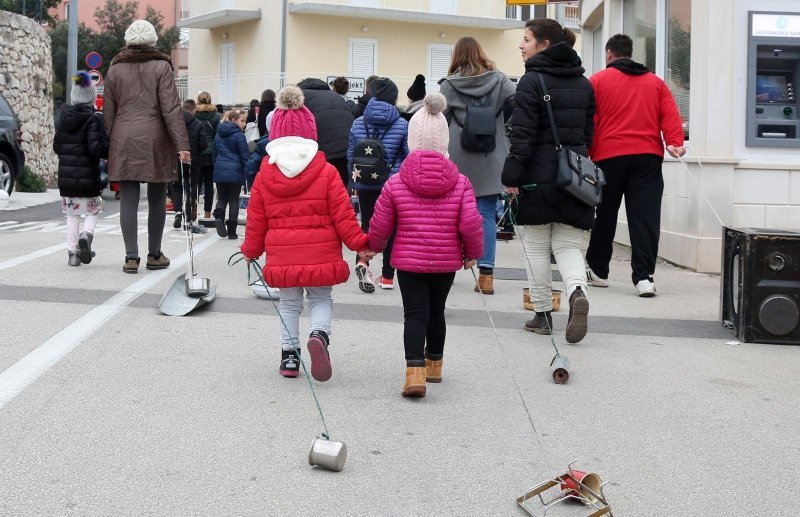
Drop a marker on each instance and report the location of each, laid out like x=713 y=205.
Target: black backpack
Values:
x=369 y=160
x=479 y=127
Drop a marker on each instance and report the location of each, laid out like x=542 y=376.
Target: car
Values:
x=12 y=158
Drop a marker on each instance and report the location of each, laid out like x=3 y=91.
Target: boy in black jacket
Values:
x=198 y=142
x=80 y=142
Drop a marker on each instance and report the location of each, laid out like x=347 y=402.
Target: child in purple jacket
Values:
x=439 y=231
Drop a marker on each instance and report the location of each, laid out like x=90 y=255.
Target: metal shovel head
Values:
x=177 y=302
x=327 y=454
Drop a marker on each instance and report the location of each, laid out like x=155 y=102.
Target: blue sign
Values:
x=94 y=60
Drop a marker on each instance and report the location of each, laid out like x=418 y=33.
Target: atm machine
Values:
x=773 y=69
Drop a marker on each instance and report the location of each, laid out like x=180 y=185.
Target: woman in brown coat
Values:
x=146 y=130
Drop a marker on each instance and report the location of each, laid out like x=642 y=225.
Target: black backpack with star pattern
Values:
x=369 y=160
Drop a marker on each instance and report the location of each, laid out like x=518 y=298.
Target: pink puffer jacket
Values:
x=433 y=207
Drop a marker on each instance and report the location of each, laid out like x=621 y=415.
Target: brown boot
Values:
x=485 y=284
x=433 y=370
x=415 y=382
x=578 y=322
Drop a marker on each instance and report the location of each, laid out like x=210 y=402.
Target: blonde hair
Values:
x=233 y=115
x=204 y=98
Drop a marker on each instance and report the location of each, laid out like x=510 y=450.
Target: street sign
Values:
x=356 y=85
x=94 y=60
x=97 y=77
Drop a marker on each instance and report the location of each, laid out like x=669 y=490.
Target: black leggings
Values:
x=366 y=205
x=424 y=297
x=207 y=177
x=228 y=196
x=179 y=189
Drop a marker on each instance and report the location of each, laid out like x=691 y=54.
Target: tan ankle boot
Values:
x=485 y=284
x=433 y=370
x=415 y=382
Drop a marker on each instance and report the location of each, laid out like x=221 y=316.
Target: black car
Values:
x=12 y=159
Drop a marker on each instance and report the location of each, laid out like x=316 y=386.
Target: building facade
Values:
x=706 y=51
x=241 y=47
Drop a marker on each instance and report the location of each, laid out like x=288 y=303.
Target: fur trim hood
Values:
x=138 y=54
x=206 y=107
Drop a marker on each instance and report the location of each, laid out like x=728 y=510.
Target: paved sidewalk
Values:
x=20 y=200
x=188 y=416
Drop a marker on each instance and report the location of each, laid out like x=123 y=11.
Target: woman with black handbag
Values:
x=553 y=219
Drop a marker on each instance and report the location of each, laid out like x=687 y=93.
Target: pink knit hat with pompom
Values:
x=427 y=129
x=291 y=117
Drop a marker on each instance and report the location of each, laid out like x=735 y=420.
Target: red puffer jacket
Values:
x=433 y=207
x=301 y=223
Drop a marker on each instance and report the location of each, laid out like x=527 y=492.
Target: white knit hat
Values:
x=428 y=129
x=83 y=89
x=141 y=33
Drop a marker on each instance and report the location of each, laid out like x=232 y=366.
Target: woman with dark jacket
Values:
x=553 y=220
x=208 y=115
x=80 y=142
x=334 y=121
x=230 y=157
x=266 y=105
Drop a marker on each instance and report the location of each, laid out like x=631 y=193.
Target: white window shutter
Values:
x=226 y=67
x=363 y=57
x=439 y=57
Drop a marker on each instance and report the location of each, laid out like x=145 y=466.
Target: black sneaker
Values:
x=85 y=246
x=177 y=223
x=578 y=322
x=290 y=365
x=318 y=343
x=542 y=323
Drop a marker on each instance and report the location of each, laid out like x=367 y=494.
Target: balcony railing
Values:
x=479 y=13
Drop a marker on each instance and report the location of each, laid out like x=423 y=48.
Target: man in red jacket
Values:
x=636 y=116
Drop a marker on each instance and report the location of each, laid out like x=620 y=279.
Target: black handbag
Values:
x=576 y=174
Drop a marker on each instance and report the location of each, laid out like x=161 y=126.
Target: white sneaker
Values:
x=364 y=275
x=593 y=280
x=646 y=288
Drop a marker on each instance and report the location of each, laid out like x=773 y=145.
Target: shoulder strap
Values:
x=546 y=97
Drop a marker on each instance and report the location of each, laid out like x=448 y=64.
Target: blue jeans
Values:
x=487 y=208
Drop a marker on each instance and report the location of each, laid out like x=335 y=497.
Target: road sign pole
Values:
x=72 y=48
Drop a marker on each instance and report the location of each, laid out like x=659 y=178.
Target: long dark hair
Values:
x=267 y=96
x=469 y=58
x=550 y=30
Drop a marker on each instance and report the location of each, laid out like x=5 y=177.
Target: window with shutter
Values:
x=442 y=6
x=439 y=57
x=226 y=58
x=678 y=56
x=363 y=57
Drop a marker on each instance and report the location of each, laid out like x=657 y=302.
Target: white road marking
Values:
x=32 y=256
x=24 y=372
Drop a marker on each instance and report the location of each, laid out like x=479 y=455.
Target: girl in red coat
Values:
x=439 y=230
x=300 y=213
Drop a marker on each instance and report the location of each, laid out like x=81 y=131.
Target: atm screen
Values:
x=774 y=88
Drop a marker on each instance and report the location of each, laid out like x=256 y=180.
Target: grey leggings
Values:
x=156 y=215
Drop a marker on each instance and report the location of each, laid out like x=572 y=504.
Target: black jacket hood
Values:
x=74 y=117
x=628 y=66
x=313 y=84
x=559 y=60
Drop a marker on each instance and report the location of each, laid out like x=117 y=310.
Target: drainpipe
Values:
x=283 y=42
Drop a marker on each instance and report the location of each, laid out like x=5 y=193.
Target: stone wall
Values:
x=26 y=74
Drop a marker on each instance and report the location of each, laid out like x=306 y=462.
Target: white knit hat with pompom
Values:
x=428 y=129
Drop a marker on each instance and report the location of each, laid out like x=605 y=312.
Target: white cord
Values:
x=699 y=187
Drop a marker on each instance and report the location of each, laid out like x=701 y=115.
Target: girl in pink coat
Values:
x=439 y=231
